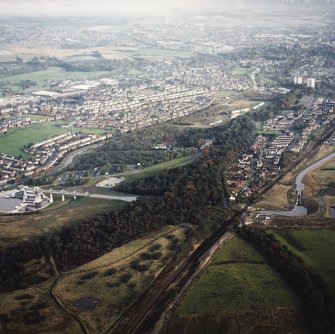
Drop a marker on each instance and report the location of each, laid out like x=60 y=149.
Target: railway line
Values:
x=137 y=317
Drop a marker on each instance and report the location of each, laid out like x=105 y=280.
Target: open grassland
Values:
x=324 y=150
x=331 y=70
x=36 y=117
x=152 y=53
x=237 y=279
x=238 y=293
x=318 y=183
x=240 y=71
x=267 y=80
x=115 y=280
x=32 y=310
x=56 y=215
x=8 y=52
x=13 y=142
x=44 y=77
x=315 y=247
x=156 y=169
x=324 y=176
x=274 y=199
x=106 y=279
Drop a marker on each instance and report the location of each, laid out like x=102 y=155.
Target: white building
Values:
x=311 y=83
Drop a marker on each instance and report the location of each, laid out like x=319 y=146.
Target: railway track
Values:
x=137 y=317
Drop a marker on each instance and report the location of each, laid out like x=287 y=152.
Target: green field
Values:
x=43 y=78
x=240 y=71
x=226 y=93
x=161 y=53
x=14 y=141
x=268 y=133
x=35 y=117
x=237 y=279
x=156 y=169
x=259 y=126
x=331 y=70
x=315 y=247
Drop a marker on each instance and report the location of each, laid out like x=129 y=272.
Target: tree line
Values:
x=312 y=290
x=191 y=194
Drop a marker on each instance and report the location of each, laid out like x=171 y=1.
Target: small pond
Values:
x=86 y=303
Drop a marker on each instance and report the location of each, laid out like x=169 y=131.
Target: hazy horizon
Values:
x=127 y=8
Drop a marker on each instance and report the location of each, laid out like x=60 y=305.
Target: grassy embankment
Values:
x=237 y=286
x=54 y=216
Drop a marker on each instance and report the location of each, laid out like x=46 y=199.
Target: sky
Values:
x=138 y=8
x=113 y=8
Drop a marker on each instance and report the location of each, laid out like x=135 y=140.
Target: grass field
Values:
x=237 y=279
x=156 y=169
x=54 y=216
x=259 y=126
x=13 y=142
x=160 y=53
x=331 y=70
x=268 y=133
x=118 y=278
x=97 y=279
x=35 y=299
x=267 y=79
x=316 y=248
x=226 y=93
x=275 y=198
x=240 y=71
x=324 y=150
x=43 y=78
x=36 y=117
